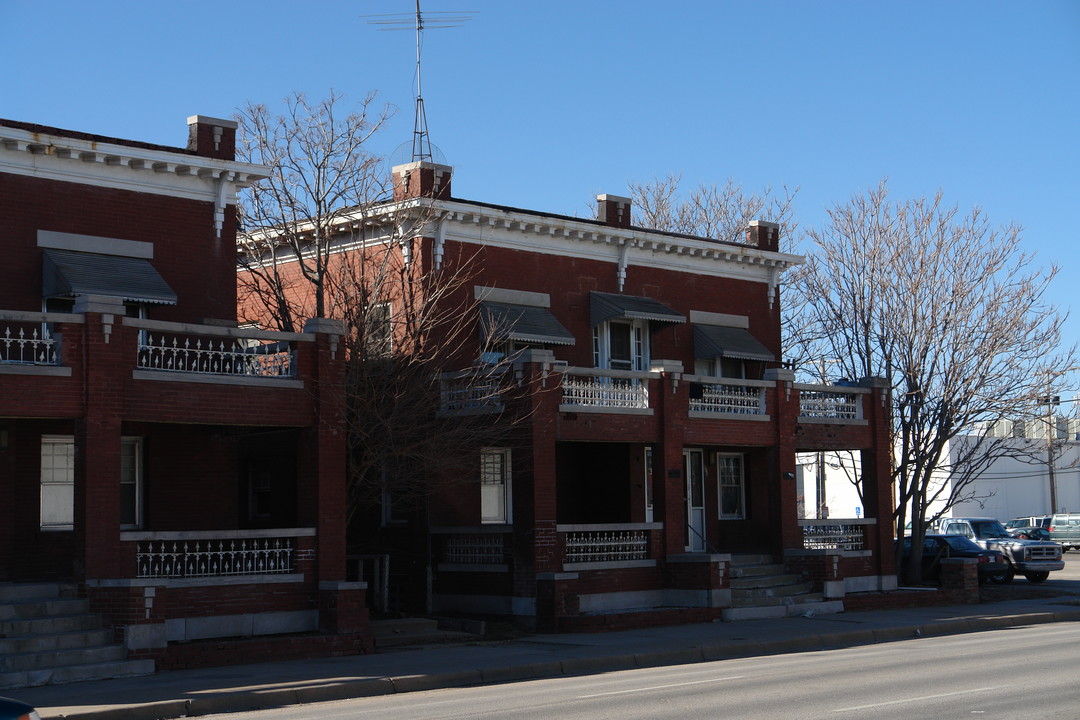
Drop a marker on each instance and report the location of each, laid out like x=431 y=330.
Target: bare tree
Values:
x=321 y=172
x=952 y=313
x=321 y=240
x=722 y=213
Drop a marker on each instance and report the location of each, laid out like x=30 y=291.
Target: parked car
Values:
x=1034 y=559
x=1042 y=521
x=15 y=710
x=938 y=547
x=1065 y=529
x=1029 y=533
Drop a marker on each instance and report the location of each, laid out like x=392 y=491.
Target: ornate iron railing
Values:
x=215 y=356
x=724 y=398
x=605 y=391
x=606 y=546
x=28 y=345
x=474 y=549
x=215 y=557
x=830 y=404
x=846 y=534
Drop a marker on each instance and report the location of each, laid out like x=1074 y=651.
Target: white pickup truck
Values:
x=1034 y=559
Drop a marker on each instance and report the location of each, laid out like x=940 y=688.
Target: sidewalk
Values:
x=250 y=687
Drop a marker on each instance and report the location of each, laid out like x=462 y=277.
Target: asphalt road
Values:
x=1006 y=673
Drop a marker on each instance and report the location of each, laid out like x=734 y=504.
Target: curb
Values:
x=282 y=697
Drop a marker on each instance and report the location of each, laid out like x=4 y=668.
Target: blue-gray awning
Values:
x=68 y=272
x=712 y=341
x=608 y=306
x=523 y=323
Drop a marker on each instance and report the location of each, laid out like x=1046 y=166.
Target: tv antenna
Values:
x=421 y=141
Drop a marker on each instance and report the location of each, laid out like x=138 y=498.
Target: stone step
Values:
x=49 y=625
x=55 y=641
x=757 y=581
x=62 y=658
x=741 y=571
x=772 y=591
x=763 y=612
x=775 y=600
x=43 y=607
x=739 y=559
x=76 y=673
x=16 y=592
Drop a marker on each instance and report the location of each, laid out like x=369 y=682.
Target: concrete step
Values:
x=49 y=625
x=745 y=571
x=54 y=641
x=741 y=559
x=760 y=581
x=43 y=607
x=825 y=607
x=62 y=658
x=15 y=592
x=76 y=673
x=787 y=590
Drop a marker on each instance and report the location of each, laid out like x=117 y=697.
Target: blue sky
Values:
x=543 y=105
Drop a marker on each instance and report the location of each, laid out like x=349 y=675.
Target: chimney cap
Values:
x=207 y=120
x=764 y=223
x=612 y=198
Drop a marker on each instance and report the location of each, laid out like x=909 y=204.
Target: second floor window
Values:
x=621 y=345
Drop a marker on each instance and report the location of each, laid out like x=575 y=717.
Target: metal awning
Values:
x=523 y=323
x=68 y=272
x=608 y=306
x=712 y=341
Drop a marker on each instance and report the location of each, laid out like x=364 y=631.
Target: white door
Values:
x=694 y=474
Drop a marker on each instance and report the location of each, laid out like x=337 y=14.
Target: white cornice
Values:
x=162 y=172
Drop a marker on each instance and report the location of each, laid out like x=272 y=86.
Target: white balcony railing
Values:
x=26 y=337
x=618 y=389
x=830 y=402
x=210 y=554
x=741 y=397
x=848 y=534
x=615 y=543
x=186 y=348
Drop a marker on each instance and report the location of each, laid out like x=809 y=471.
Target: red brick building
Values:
x=654 y=473
x=179 y=474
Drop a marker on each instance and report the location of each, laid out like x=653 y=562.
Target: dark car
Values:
x=1029 y=533
x=936 y=548
x=15 y=710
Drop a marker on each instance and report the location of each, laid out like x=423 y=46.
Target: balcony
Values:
x=847 y=534
x=831 y=403
x=29 y=344
x=471 y=392
x=606 y=391
x=727 y=397
x=212 y=354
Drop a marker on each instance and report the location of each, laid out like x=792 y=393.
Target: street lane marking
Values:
x=660 y=687
x=919 y=699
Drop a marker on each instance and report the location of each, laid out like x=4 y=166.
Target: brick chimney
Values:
x=763 y=235
x=212 y=137
x=613 y=210
x=422 y=179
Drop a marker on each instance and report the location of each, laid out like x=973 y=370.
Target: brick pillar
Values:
x=323 y=478
x=877 y=472
x=109 y=356
x=783 y=505
x=669 y=494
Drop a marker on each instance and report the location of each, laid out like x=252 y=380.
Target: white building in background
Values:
x=1010 y=487
x=1014 y=487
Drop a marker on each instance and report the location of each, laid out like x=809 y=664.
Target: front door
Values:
x=694 y=473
